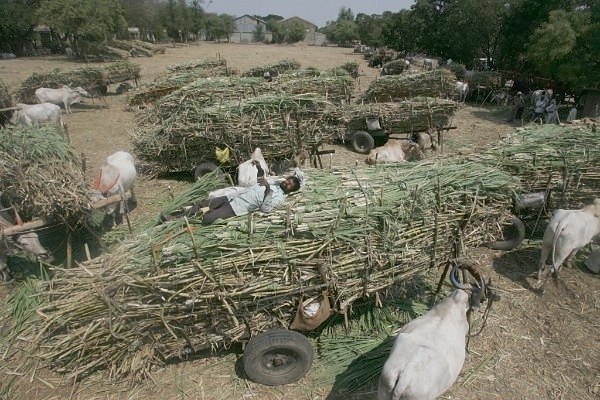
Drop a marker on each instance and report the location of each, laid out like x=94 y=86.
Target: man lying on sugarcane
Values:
x=264 y=195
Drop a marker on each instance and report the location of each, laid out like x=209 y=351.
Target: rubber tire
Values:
x=517 y=231
x=293 y=347
x=205 y=169
x=362 y=142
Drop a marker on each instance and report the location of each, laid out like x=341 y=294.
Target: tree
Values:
x=295 y=32
x=259 y=34
x=17 y=21
x=219 y=26
x=74 y=20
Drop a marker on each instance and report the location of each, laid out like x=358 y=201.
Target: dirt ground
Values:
x=534 y=346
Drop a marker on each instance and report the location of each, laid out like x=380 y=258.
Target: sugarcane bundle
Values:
x=351 y=67
x=217 y=63
x=561 y=160
x=178 y=288
x=175 y=78
x=274 y=69
x=131 y=47
x=6 y=101
x=337 y=88
x=415 y=114
x=438 y=82
x=395 y=67
x=278 y=124
x=42 y=175
x=485 y=80
x=85 y=77
x=149 y=46
x=120 y=72
x=202 y=92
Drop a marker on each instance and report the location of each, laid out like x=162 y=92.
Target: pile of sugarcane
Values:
x=182 y=286
x=561 y=160
x=485 y=79
x=149 y=46
x=6 y=101
x=121 y=72
x=395 y=67
x=438 y=82
x=416 y=114
x=42 y=175
x=178 y=76
x=278 y=124
x=351 y=67
x=86 y=77
x=274 y=69
x=129 y=46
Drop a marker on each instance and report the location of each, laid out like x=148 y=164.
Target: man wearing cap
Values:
x=519 y=105
x=264 y=195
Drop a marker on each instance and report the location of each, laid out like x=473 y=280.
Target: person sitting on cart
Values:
x=264 y=195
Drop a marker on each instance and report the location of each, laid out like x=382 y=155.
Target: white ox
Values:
x=27 y=241
x=461 y=91
x=429 y=352
x=35 y=114
x=395 y=151
x=568 y=231
x=248 y=170
x=64 y=95
x=117 y=176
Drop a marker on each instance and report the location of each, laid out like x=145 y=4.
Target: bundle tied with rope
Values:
x=42 y=174
x=182 y=286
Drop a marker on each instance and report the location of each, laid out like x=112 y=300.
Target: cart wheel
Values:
x=277 y=357
x=362 y=142
x=513 y=236
x=205 y=169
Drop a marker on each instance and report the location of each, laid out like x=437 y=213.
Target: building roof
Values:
x=250 y=16
x=291 y=18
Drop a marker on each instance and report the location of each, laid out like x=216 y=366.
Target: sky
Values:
x=316 y=11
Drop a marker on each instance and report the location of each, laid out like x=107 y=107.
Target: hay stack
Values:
x=177 y=289
x=435 y=83
x=563 y=160
x=278 y=124
x=416 y=114
x=41 y=175
x=120 y=72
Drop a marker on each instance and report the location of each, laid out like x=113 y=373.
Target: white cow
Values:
x=35 y=114
x=64 y=95
x=568 y=231
x=27 y=241
x=461 y=91
x=248 y=170
x=429 y=352
x=117 y=176
x=394 y=151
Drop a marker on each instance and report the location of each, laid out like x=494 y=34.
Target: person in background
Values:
x=517 y=110
x=572 y=114
x=540 y=107
x=552 y=112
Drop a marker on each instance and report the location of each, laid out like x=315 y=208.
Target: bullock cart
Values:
x=180 y=287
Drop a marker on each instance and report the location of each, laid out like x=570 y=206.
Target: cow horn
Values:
x=18 y=220
x=462 y=263
x=517 y=229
